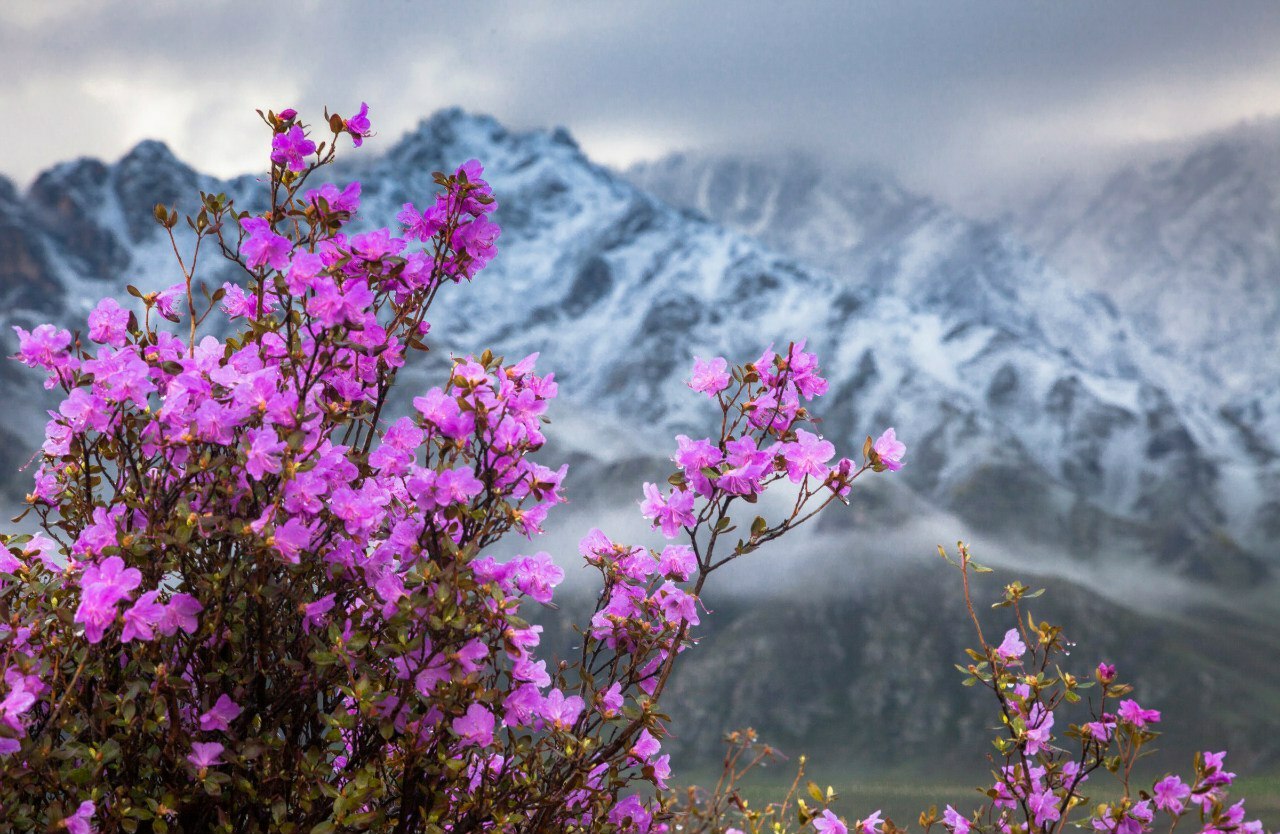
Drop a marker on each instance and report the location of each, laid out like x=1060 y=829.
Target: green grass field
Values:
x=902 y=799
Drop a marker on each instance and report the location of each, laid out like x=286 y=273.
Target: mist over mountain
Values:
x=1041 y=413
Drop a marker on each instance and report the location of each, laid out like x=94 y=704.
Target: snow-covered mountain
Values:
x=1187 y=243
x=1185 y=240
x=1061 y=369
x=1028 y=408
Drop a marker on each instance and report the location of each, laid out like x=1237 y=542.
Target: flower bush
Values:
x=1039 y=779
x=262 y=600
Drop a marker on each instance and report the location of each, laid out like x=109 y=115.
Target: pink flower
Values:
x=358 y=125
x=290 y=539
x=1131 y=713
x=220 y=717
x=808 y=455
x=108 y=323
x=315 y=613
x=670 y=513
x=102 y=586
x=1171 y=794
x=476 y=727
x=263 y=455
x=677 y=561
x=872 y=824
x=79 y=822
x=630 y=814
x=829 y=823
x=1044 y=806
x=1101 y=730
x=646 y=747
x=710 y=376
x=1039 y=729
x=479 y=240
x=264 y=247
x=289 y=148
x=889 y=450
x=954 y=822
x=536 y=576
x=347 y=200
x=180 y=613
x=205 y=754
x=141 y=619
x=611 y=700
x=1012 y=648
x=20 y=699
x=1106 y=672
x=748 y=467
x=167 y=301
x=562 y=712
x=422 y=225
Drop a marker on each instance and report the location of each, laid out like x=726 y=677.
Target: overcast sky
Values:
x=958 y=98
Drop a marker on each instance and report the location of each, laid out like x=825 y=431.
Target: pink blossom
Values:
x=422 y=225
x=1131 y=713
x=829 y=823
x=889 y=450
x=1012 y=648
x=560 y=711
x=677 y=561
x=808 y=455
x=1039 y=729
x=1171 y=795
x=44 y=347
x=611 y=700
x=141 y=619
x=205 y=754
x=646 y=747
x=710 y=376
x=224 y=711
x=347 y=200
x=476 y=727
x=358 y=125
x=264 y=247
x=1044 y=806
x=872 y=824
x=108 y=323
x=180 y=613
x=955 y=823
x=20 y=698
x=291 y=538
x=630 y=814
x=80 y=821
x=671 y=513
x=263 y=455
x=537 y=575
x=315 y=613
x=167 y=301
x=1101 y=730
x=102 y=587
x=749 y=466
x=290 y=147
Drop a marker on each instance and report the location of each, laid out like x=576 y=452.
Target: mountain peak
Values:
x=150 y=152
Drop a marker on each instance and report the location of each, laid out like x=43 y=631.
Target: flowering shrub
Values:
x=1039 y=778
x=262 y=602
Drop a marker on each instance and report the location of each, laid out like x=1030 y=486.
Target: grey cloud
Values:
x=954 y=96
